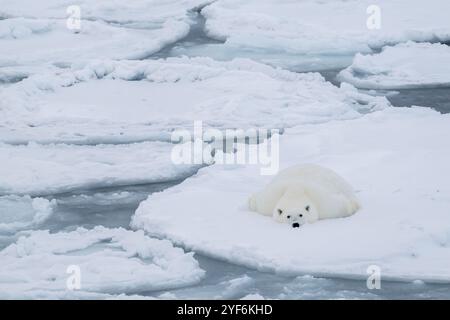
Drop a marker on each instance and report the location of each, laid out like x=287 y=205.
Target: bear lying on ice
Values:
x=304 y=194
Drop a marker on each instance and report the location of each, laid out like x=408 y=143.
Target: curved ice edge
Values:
x=100 y=185
x=87 y=141
x=123 y=246
x=261 y=264
x=347 y=76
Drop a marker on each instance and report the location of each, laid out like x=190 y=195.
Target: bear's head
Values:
x=295 y=208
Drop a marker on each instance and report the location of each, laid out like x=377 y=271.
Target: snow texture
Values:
x=36 y=169
x=18 y=213
x=325 y=26
x=397 y=170
x=126 y=100
x=110 y=261
x=404 y=66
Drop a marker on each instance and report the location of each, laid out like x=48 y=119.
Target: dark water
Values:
x=437 y=98
x=196 y=37
x=109 y=207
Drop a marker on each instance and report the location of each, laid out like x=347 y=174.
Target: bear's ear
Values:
x=307 y=208
x=280 y=211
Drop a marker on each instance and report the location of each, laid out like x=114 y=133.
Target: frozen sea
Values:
x=113 y=207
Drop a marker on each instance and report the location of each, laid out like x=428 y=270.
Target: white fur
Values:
x=305 y=194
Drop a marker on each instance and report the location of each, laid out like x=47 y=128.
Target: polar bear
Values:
x=304 y=194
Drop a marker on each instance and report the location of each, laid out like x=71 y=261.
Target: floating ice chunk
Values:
x=107 y=261
x=397 y=170
x=141 y=98
x=33 y=33
x=322 y=28
x=235 y=286
x=404 y=66
x=29 y=41
x=45 y=169
x=18 y=213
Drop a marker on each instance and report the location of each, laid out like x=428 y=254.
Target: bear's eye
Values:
x=307 y=208
x=288 y=217
x=300 y=215
x=280 y=211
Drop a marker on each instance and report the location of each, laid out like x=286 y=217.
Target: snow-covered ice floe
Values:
x=23 y=212
x=30 y=41
x=50 y=32
x=120 y=99
x=47 y=169
x=317 y=33
x=108 y=261
x=404 y=66
x=395 y=159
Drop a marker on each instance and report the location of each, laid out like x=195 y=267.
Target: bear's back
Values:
x=311 y=174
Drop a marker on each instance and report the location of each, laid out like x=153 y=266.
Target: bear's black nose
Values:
x=295 y=225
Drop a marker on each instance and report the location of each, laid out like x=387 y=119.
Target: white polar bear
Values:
x=304 y=194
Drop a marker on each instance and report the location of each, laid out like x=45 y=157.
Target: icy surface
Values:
x=55 y=168
x=120 y=12
x=136 y=99
x=18 y=213
x=404 y=66
x=330 y=27
x=111 y=261
x=49 y=34
x=397 y=170
x=30 y=41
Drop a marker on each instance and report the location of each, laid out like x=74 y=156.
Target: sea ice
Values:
x=46 y=169
x=51 y=32
x=324 y=34
x=18 y=213
x=107 y=261
x=393 y=158
x=126 y=100
x=404 y=66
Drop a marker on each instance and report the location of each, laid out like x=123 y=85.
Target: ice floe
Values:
x=26 y=42
x=324 y=34
x=45 y=169
x=52 y=33
x=104 y=261
x=135 y=99
x=404 y=66
x=18 y=213
x=394 y=158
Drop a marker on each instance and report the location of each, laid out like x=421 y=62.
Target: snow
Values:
x=30 y=41
x=18 y=213
x=321 y=33
x=126 y=100
x=404 y=66
x=36 y=169
x=110 y=261
x=135 y=29
x=397 y=169
x=122 y=12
